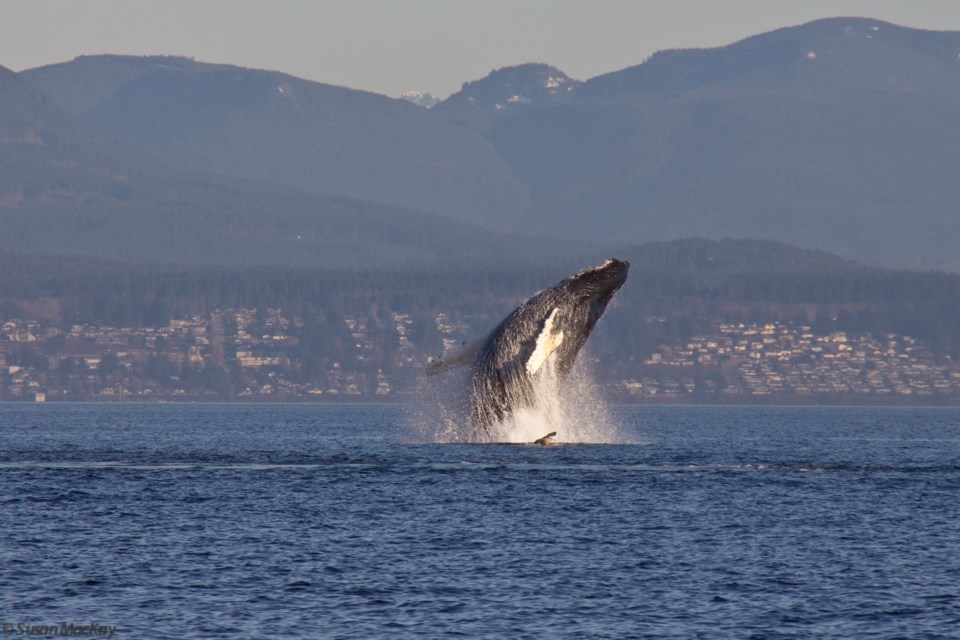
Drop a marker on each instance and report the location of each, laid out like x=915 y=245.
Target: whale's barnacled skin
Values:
x=554 y=323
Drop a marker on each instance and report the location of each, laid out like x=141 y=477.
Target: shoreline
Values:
x=766 y=401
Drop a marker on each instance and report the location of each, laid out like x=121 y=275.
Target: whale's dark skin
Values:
x=551 y=326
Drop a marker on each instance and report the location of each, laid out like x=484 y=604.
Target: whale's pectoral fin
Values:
x=547 y=439
x=461 y=357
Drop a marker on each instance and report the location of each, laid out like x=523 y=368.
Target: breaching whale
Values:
x=546 y=332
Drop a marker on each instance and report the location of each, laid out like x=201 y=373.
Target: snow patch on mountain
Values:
x=420 y=98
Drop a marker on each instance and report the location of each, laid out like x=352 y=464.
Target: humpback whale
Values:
x=541 y=337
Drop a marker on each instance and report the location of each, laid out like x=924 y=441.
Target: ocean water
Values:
x=334 y=521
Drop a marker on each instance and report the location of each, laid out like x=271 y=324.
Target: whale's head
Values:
x=565 y=314
x=595 y=287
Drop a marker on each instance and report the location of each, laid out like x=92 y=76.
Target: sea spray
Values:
x=440 y=412
x=574 y=408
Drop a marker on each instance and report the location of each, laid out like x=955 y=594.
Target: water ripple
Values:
x=202 y=522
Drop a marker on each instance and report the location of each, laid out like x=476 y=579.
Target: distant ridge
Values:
x=841 y=54
x=508 y=89
x=271 y=126
x=837 y=135
x=68 y=189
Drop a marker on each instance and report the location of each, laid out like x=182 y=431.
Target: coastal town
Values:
x=789 y=362
x=267 y=355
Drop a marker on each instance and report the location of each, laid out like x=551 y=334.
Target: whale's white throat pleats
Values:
x=548 y=341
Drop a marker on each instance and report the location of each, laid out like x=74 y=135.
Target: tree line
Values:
x=660 y=303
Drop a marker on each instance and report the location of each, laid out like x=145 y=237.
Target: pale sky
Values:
x=393 y=46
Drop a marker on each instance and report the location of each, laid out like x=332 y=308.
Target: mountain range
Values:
x=837 y=135
x=67 y=188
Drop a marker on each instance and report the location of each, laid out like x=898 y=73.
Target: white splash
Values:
x=574 y=408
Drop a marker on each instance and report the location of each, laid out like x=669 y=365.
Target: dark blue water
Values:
x=327 y=521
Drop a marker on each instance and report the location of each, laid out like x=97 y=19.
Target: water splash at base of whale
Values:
x=574 y=408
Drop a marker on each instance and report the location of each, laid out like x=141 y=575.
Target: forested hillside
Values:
x=265 y=125
x=66 y=188
x=674 y=290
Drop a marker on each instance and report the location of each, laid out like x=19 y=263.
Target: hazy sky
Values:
x=392 y=46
